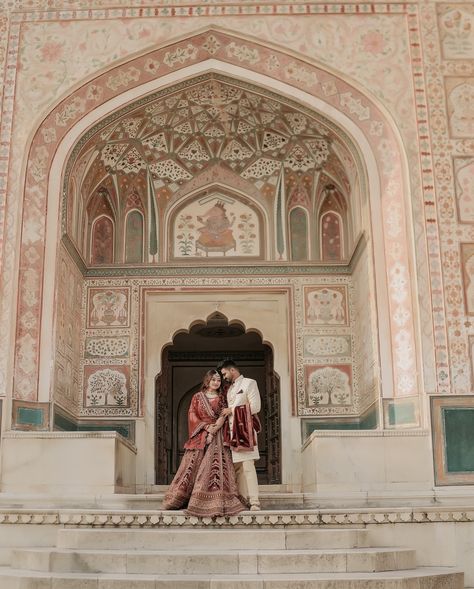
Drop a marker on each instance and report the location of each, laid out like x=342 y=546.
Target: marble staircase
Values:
x=264 y=550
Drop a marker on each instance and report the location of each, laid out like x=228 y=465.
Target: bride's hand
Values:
x=209 y=438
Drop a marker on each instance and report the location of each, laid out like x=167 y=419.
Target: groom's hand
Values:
x=227 y=411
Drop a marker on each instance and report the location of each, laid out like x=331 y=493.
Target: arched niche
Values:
x=310 y=94
x=216 y=223
x=299 y=235
x=211 y=129
x=134 y=237
x=185 y=360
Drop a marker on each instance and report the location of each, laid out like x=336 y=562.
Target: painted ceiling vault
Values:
x=210 y=131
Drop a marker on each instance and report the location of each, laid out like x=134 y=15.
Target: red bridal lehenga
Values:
x=205 y=484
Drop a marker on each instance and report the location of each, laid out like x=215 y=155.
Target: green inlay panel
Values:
x=459 y=439
x=401 y=414
x=367 y=422
x=29 y=416
x=125 y=428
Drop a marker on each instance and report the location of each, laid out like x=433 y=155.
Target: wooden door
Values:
x=181 y=378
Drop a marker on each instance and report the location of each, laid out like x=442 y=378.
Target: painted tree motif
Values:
x=107 y=387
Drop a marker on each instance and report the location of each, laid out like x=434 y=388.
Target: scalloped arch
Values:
x=315 y=87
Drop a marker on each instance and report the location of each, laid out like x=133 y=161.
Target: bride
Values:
x=205 y=483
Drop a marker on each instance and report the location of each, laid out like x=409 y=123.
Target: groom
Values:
x=243 y=401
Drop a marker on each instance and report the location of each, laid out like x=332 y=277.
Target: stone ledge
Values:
x=267 y=519
x=14 y=435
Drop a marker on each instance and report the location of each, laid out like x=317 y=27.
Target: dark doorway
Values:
x=184 y=363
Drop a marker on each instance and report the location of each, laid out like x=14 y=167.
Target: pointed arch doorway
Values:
x=184 y=363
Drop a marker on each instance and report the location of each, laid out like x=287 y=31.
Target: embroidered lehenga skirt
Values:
x=205 y=484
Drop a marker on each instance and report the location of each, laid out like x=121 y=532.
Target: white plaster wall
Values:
x=356 y=466
x=60 y=463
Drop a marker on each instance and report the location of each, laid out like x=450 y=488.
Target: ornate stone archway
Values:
x=314 y=86
x=183 y=364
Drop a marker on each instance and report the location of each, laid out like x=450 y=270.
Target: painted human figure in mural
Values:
x=205 y=483
x=216 y=233
x=243 y=399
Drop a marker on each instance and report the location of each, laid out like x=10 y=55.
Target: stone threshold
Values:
x=266 y=518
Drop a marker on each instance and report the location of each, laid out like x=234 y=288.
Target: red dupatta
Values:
x=200 y=415
x=245 y=426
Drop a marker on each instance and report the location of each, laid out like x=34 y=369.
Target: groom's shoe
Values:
x=255 y=507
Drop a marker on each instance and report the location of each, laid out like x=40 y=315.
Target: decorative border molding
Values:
x=195 y=270
x=70 y=435
x=264 y=519
x=193 y=9
x=365 y=434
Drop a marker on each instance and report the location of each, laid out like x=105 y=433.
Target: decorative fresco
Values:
x=464 y=186
x=467 y=258
x=69 y=321
x=329 y=384
x=365 y=337
x=217 y=226
x=106 y=386
x=456 y=29
x=106 y=347
x=395 y=51
x=326 y=305
x=333 y=90
x=327 y=345
x=471 y=355
x=460 y=98
x=108 y=308
x=175 y=137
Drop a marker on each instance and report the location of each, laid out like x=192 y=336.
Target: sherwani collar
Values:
x=238 y=380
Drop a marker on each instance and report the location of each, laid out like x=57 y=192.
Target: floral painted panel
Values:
x=217 y=226
x=456 y=30
x=464 y=187
x=471 y=355
x=106 y=386
x=326 y=305
x=102 y=246
x=108 y=308
x=460 y=98
x=134 y=238
x=331 y=241
x=467 y=258
x=327 y=345
x=329 y=385
x=106 y=347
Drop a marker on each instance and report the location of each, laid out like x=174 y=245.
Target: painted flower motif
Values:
x=211 y=45
x=376 y=128
x=398 y=283
x=373 y=42
x=401 y=316
x=272 y=63
x=94 y=92
x=28 y=320
x=151 y=66
x=52 y=51
x=406 y=384
x=49 y=135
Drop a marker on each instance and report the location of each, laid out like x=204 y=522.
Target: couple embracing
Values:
x=217 y=474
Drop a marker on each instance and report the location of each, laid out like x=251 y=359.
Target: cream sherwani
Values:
x=244 y=390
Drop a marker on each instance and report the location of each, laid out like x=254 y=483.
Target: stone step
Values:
x=422 y=578
x=201 y=538
x=215 y=562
